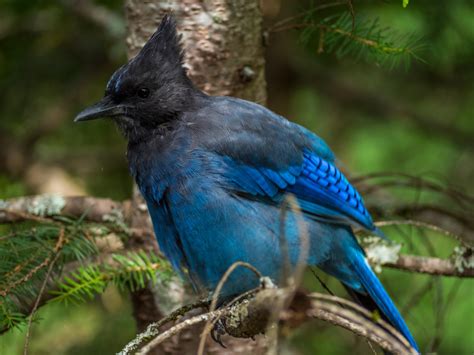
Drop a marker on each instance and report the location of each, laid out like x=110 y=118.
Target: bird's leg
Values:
x=218 y=331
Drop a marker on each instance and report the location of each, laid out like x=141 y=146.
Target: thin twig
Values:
x=206 y=317
x=274 y=27
x=360 y=326
x=429 y=265
x=415 y=223
x=215 y=297
x=57 y=253
x=59 y=244
x=153 y=329
x=353 y=317
x=416 y=297
x=304 y=242
x=294 y=279
x=419 y=181
x=354 y=307
x=351 y=10
x=18 y=215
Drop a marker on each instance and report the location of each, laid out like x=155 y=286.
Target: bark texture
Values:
x=222 y=40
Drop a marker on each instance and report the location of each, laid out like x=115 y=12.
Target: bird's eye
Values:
x=143 y=93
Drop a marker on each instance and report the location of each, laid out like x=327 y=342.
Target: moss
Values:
x=463 y=258
x=116 y=217
x=379 y=252
x=46 y=205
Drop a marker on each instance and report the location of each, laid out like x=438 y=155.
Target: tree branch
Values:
x=92 y=209
x=431 y=266
x=302 y=308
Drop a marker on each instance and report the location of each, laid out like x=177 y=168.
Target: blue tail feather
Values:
x=374 y=288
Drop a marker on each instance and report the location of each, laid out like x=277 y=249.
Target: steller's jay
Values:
x=214 y=172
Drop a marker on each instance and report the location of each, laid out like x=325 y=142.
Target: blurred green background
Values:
x=56 y=56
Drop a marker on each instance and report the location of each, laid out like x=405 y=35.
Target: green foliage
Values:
x=27 y=251
x=133 y=270
x=360 y=38
x=9 y=318
x=25 y=254
x=84 y=282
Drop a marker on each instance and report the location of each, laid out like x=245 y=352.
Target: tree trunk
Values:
x=223 y=43
x=222 y=40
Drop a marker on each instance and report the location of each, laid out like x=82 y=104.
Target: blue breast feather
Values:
x=322 y=190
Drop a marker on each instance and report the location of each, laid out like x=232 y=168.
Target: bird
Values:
x=216 y=171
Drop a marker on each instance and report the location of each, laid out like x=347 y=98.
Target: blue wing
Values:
x=264 y=155
x=322 y=190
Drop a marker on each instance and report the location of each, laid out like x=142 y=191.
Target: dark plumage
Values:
x=214 y=172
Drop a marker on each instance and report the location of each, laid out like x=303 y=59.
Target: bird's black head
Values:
x=151 y=89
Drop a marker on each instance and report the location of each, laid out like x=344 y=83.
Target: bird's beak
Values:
x=104 y=108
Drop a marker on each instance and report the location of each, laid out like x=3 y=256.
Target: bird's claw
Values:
x=217 y=332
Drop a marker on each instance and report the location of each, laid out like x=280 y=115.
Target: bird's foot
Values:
x=218 y=331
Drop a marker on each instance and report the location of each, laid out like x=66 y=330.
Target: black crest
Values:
x=164 y=45
x=158 y=67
